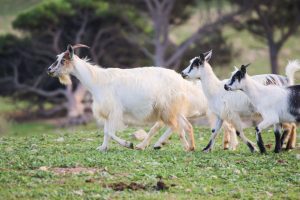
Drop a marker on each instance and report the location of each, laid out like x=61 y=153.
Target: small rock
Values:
x=78 y=192
x=139 y=135
x=298 y=156
x=269 y=194
x=237 y=171
x=173 y=177
x=91 y=180
x=61 y=139
x=43 y=168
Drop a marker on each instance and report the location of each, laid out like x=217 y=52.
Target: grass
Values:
x=28 y=164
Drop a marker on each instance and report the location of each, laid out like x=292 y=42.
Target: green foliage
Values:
x=28 y=166
x=43 y=16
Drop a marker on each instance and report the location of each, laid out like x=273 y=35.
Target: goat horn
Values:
x=247 y=65
x=80 y=46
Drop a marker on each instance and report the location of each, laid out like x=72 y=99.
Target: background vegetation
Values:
x=43 y=157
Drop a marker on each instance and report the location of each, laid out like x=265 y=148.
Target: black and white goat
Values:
x=227 y=106
x=275 y=104
x=128 y=96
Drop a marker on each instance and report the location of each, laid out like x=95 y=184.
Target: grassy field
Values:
x=45 y=162
x=65 y=165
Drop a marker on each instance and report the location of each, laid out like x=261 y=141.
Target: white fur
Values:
x=132 y=96
x=225 y=105
x=270 y=101
x=196 y=107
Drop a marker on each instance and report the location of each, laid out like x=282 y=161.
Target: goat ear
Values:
x=244 y=68
x=208 y=55
x=70 y=51
x=202 y=57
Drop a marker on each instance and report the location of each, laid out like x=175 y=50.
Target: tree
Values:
x=50 y=27
x=120 y=33
x=167 y=14
x=272 y=21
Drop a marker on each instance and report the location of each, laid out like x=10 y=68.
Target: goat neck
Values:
x=253 y=89
x=85 y=72
x=210 y=82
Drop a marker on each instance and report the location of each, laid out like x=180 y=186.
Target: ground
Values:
x=64 y=164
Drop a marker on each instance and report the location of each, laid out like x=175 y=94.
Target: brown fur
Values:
x=291 y=135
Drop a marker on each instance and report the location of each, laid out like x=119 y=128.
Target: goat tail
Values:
x=292 y=67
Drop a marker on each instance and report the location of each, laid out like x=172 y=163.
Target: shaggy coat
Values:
x=129 y=96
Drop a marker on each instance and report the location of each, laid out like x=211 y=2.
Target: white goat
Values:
x=226 y=106
x=275 y=104
x=125 y=96
x=197 y=107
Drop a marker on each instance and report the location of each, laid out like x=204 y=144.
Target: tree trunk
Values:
x=75 y=105
x=273 y=51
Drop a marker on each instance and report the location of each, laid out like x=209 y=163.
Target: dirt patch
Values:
x=281 y=161
x=268 y=146
x=160 y=185
x=120 y=186
x=75 y=170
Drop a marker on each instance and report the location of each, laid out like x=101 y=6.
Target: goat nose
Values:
x=49 y=71
x=226 y=87
x=183 y=75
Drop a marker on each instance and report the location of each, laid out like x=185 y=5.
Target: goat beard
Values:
x=65 y=79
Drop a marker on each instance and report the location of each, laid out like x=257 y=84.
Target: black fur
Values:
x=238 y=75
x=157 y=148
x=208 y=146
x=260 y=143
x=196 y=63
x=237 y=133
x=131 y=145
x=277 y=142
x=250 y=147
x=294 y=101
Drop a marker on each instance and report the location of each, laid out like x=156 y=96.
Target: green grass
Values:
x=27 y=169
x=7 y=105
x=29 y=129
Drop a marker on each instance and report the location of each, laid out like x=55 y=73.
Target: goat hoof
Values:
x=102 y=148
x=157 y=147
x=206 y=150
x=192 y=149
x=226 y=148
x=131 y=146
x=289 y=148
x=140 y=147
x=263 y=151
x=277 y=150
